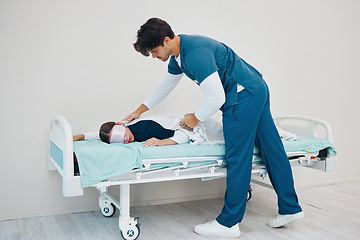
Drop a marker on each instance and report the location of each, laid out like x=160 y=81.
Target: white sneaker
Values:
x=215 y=229
x=281 y=220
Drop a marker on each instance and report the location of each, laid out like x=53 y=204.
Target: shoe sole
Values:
x=209 y=235
x=284 y=222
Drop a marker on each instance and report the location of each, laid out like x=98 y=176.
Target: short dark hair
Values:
x=105 y=130
x=152 y=35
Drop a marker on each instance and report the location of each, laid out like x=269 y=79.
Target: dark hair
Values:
x=152 y=35
x=105 y=130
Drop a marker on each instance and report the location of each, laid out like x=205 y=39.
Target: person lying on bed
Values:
x=145 y=130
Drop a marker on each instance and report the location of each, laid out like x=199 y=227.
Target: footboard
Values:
x=304 y=126
x=60 y=156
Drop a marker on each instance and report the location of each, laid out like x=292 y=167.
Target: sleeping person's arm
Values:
x=178 y=138
x=159 y=142
x=86 y=136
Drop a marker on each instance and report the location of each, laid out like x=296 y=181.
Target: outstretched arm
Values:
x=137 y=113
x=159 y=93
x=86 y=136
x=78 y=137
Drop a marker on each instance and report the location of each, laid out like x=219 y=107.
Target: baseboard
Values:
x=328 y=182
x=160 y=201
x=12 y=216
x=8 y=217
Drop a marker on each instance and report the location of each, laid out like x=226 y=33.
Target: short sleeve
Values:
x=173 y=67
x=201 y=63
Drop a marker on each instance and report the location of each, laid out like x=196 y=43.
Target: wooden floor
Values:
x=332 y=212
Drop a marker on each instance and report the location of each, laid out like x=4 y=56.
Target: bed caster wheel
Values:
x=249 y=194
x=107 y=209
x=130 y=230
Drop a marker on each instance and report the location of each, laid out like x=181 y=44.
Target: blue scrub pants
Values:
x=247 y=124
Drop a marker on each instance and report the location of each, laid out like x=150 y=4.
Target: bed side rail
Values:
x=60 y=156
x=305 y=126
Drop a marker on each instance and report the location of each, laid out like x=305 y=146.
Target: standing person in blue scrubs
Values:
x=239 y=91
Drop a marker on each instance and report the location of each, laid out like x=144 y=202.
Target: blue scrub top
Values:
x=201 y=56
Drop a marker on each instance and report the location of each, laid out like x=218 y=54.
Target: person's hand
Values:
x=152 y=142
x=189 y=121
x=78 y=137
x=131 y=117
x=157 y=142
x=136 y=114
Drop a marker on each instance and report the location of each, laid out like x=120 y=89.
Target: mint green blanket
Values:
x=99 y=161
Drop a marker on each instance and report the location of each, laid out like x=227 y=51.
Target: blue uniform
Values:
x=247 y=121
x=201 y=56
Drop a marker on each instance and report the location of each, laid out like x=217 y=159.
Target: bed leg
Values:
x=124 y=202
x=129 y=226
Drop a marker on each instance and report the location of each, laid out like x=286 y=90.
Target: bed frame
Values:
x=60 y=158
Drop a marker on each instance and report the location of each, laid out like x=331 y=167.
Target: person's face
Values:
x=129 y=136
x=162 y=52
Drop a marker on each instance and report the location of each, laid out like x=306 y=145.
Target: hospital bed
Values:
x=126 y=164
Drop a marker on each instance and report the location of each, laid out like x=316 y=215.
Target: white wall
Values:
x=76 y=58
